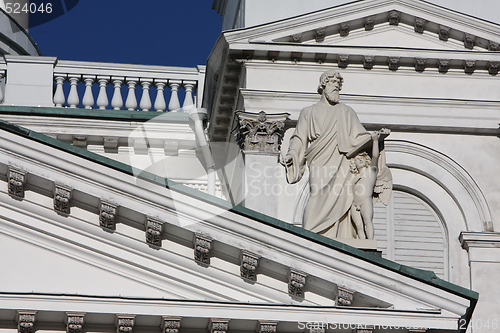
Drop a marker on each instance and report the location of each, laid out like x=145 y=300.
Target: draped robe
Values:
x=324 y=134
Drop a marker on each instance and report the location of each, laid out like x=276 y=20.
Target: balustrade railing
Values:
x=77 y=82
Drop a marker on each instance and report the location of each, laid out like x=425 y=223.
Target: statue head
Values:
x=331 y=92
x=359 y=161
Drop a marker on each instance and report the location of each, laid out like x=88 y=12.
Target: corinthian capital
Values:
x=260 y=132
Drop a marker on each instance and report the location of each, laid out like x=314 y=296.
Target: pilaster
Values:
x=484 y=261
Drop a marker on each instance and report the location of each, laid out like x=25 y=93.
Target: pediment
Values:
x=432 y=27
x=203 y=244
x=391 y=36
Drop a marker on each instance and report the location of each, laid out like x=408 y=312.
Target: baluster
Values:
x=174 y=105
x=88 y=97
x=188 y=99
x=145 y=104
x=131 y=102
x=160 y=104
x=117 y=100
x=102 y=99
x=59 y=99
x=73 y=99
x=2 y=75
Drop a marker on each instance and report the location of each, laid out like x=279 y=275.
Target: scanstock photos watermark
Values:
x=319 y=327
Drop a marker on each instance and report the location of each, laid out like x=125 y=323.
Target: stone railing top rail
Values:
x=129 y=70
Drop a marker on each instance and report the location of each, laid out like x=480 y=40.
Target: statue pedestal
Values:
x=362 y=244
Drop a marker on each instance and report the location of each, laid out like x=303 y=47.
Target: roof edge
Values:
x=424 y=276
x=122 y=115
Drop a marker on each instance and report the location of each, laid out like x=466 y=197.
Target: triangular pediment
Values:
x=391 y=36
x=200 y=256
x=432 y=27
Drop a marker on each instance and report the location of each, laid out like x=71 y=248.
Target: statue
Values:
x=327 y=136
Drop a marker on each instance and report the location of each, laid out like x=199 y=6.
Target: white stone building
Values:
x=98 y=233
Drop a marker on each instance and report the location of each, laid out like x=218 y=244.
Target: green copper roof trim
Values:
x=117 y=115
x=418 y=274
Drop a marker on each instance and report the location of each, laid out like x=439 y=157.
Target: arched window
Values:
x=410 y=232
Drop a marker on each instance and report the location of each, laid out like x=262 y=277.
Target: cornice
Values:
x=196 y=310
x=229 y=225
x=476 y=117
x=485 y=240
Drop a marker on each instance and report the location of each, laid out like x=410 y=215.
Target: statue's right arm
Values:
x=295 y=160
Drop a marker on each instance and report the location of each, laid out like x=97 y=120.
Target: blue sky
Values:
x=149 y=32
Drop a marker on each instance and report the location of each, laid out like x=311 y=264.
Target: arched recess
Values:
x=445 y=173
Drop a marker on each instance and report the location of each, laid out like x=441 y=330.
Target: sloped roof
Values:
x=298 y=237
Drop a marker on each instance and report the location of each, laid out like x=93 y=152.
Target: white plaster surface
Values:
x=263 y=11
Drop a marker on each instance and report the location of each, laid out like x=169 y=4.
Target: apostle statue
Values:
x=337 y=149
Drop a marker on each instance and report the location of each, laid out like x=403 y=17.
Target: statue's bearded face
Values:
x=331 y=91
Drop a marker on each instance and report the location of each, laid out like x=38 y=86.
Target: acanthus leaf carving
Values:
x=364 y=330
x=218 y=325
x=268 y=327
x=154 y=229
x=248 y=267
x=107 y=214
x=75 y=323
x=394 y=17
x=420 y=64
x=393 y=63
x=171 y=325
x=260 y=132
x=369 y=23
x=317 y=329
x=62 y=197
x=202 y=247
x=469 y=66
x=319 y=34
x=443 y=65
x=493 y=67
x=296 y=283
x=493 y=46
x=368 y=62
x=343 y=60
x=344 y=29
x=125 y=324
x=26 y=321
x=344 y=296
x=444 y=32
x=469 y=41
x=420 y=25
x=17 y=179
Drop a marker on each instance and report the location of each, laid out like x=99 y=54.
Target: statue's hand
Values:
x=287 y=160
x=385 y=131
x=375 y=135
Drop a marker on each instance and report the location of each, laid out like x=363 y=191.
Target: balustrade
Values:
x=73 y=79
